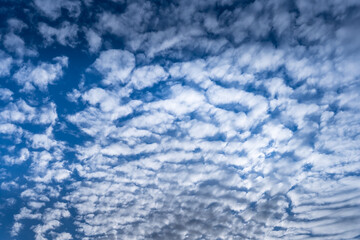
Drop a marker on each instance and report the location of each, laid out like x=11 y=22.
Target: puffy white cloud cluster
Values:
x=210 y=154
x=192 y=120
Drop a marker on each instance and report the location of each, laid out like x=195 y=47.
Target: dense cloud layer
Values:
x=179 y=119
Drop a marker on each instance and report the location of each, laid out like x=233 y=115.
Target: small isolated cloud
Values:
x=5 y=64
x=16 y=229
x=16 y=25
x=16 y=44
x=42 y=75
x=52 y=9
x=66 y=34
x=94 y=40
x=63 y=236
x=5 y=94
x=22 y=157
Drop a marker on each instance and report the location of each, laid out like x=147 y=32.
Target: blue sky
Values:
x=209 y=119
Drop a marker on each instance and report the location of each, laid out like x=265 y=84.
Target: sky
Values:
x=180 y=119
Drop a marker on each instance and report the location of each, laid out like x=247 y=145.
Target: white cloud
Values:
x=47 y=114
x=21 y=112
x=23 y=156
x=73 y=96
x=277 y=132
x=183 y=100
x=42 y=141
x=42 y=75
x=277 y=88
x=133 y=20
x=26 y=213
x=66 y=34
x=52 y=8
x=255 y=104
x=36 y=205
x=147 y=76
x=63 y=236
x=16 y=25
x=5 y=64
x=8 y=128
x=94 y=40
x=115 y=65
x=195 y=71
x=116 y=149
x=8 y=186
x=252 y=133
x=58 y=175
x=16 y=229
x=105 y=107
x=201 y=130
x=107 y=100
x=156 y=122
x=17 y=112
x=16 y=44
x=5 y=94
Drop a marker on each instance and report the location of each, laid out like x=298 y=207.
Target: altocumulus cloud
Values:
x=181 y=119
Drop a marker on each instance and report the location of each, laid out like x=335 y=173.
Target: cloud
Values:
x=104 y=107
x=94 y=40
x=18 y=112
x=16 y=229
x=183 y=100
x=133 y=20
x=147 y=76
x=42 y=75
x=66 y=34
x=21 y=112
x=16 y=44
x=41 y=141
x=16 y=25
x=23 y=156
x=64 y=236
x=5 y=64
x=52 y=9
x=115 y=65
x=277 y=132
x=191 y=120
x=51 y=219
x=201 y=130
x=5 y=94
